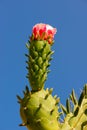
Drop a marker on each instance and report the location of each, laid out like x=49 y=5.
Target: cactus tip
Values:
x=50 y=90
x=19 y=99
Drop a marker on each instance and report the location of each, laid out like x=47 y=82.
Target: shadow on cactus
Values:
x=40 y=110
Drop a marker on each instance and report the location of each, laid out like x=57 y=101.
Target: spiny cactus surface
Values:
x=75 y=112
x=39 y=110
x=38 y=62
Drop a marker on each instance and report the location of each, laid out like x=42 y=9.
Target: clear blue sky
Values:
x=69 y=64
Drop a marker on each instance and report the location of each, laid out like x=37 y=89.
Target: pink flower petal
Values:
x=48 y=31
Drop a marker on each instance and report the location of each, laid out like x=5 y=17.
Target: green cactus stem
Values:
x=38 y=62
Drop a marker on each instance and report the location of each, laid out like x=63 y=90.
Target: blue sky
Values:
x=69 y=64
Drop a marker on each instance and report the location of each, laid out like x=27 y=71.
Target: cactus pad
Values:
x=39 y=110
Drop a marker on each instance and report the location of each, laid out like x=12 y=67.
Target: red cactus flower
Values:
x=44 y=32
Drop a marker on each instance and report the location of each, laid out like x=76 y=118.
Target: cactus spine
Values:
x=39 y=110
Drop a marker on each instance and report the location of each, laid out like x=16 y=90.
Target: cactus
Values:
x=75 y=112
x=39 y=109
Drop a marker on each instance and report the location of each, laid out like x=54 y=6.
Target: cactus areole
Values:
x=40 y=110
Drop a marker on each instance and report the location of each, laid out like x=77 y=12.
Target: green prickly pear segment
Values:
x=39 y=110
x=76 y=118
x=38 y=63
